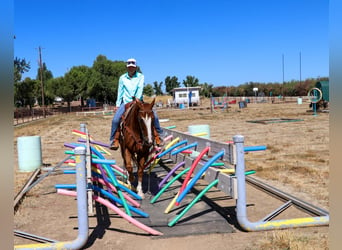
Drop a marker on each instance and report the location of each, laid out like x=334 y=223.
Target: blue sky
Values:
x=221 y=42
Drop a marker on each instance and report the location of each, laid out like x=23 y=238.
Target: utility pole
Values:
x=41 y=79
x=300 y=70
x=283 y=77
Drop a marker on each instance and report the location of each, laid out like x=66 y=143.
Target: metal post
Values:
x=82 y=214
x=83 y=128
x=241 y=210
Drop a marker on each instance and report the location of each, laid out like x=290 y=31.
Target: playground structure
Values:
x=203 y=155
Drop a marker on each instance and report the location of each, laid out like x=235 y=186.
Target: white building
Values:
x=186 y=95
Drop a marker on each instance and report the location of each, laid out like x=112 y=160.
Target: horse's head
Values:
x=146 y=118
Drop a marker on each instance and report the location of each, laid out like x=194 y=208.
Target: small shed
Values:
x=324 y=87
x=184 y=95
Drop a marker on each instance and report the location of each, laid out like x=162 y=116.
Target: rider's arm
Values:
x=120 y=93
x=140 y=87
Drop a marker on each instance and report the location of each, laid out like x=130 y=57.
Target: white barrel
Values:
x=299 y=100
x=202 y=130
x=29 y=153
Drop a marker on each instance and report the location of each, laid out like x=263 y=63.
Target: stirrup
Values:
x=114 y=145
x=161 y=142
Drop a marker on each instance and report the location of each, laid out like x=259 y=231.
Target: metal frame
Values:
x=235 y=186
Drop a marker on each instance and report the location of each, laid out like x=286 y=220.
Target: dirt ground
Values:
x=296 y=161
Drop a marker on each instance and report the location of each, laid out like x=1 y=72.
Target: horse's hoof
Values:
x=142 y=195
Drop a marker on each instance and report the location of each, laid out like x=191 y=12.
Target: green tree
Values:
x=69 y=86
x=190 y=81
x=148 y=90
x=206 y=89
x=25 y=92
x=171 y=83
x=105 y=80
x=158 y=88
x=20 y=67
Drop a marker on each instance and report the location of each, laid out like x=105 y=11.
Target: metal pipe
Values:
x=82 y=212
x=241 y=210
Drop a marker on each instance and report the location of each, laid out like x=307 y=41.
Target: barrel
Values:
x=299 y=100
x=203 y=130
x=29 y=153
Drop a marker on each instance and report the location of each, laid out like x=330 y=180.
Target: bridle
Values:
x=143 y=139
x=143 y=128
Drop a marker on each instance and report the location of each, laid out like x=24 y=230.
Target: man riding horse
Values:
x=131 y=86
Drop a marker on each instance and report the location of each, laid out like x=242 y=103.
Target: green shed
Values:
x=324 y=87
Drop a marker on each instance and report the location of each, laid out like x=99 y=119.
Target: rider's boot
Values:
x=159 y=141
x=115 y=144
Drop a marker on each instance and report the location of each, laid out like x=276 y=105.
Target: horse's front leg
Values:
x=141 y=163
x=129 y=167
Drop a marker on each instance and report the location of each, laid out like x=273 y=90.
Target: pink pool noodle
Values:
x=115 y=209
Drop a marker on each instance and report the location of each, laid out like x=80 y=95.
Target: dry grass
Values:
x=286 y=240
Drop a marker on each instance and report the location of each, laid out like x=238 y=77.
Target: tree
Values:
x=20 y=67
x=158 y=88
x=171 y=83
x=69 y=85
x=206 y=89
x=190 y=81
x=25 y=92
x=104 y=83
x=148 y=90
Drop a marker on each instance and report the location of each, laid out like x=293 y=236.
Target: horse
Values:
x=137 y=138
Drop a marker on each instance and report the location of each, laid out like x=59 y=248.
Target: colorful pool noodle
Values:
x=93 y=142
x=199 y=174
x=93 y=157
x=103 y=161
x=167 y=138
x=217 y=164
x=102 y=149
x=172 y=148
x=200 y=134
x=151 y=159
x=227 y=170
x=193 y=166
x=171 y=127
x=65 y=186
x=174 y=169
x=254 y=148
x=171 y=143
x=153 y=165
x=184 y=211
x=172 y=203
x=184 y=148
x=161 y=191
x=115 y=168
x=110 y=185
x=122 y=187
x=115 y=209
x=119 y=201
x=247 y=172
x=111 y=176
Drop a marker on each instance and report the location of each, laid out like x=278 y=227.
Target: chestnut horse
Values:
x=136 y=139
